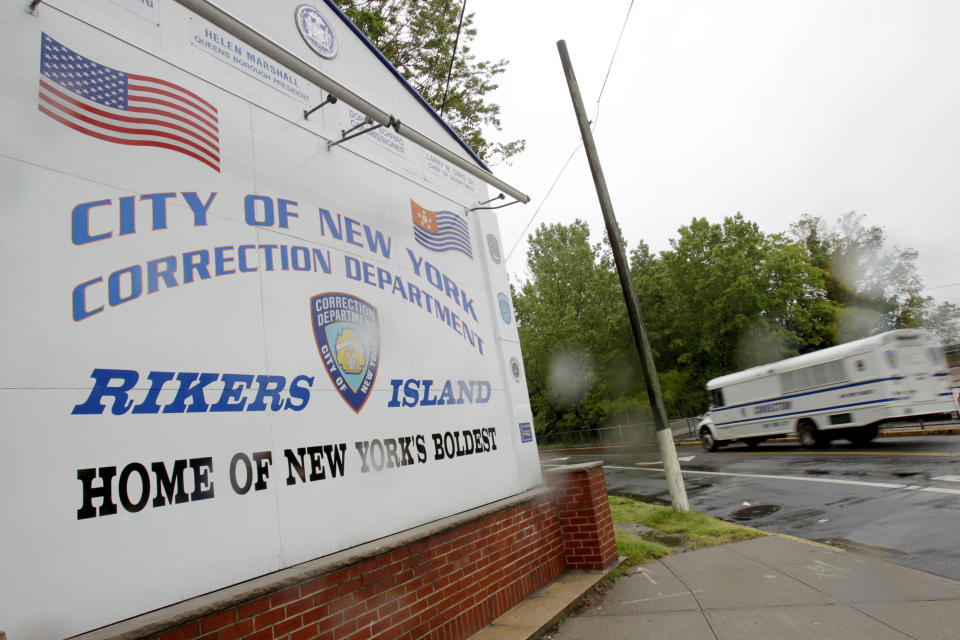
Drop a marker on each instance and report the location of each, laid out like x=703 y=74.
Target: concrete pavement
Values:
x=769 y=587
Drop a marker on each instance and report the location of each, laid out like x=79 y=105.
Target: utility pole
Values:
x=668 y=451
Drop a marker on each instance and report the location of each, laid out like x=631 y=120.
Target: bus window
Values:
x=716 y=397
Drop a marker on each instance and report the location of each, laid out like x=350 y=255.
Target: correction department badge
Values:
x=347 y=331
x=316 y=32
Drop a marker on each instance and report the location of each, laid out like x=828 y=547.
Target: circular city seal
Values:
x=494 y=248
x=504 y=307
x=515 y=369
x=316 y=31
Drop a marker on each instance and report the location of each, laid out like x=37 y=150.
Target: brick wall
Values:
x=584 y=512
x=442 y=581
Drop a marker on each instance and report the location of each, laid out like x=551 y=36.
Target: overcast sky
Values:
x=772 y=108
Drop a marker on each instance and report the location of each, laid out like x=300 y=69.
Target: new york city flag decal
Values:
x=440 y=230
x=347 y=331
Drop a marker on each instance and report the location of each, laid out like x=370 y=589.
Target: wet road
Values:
x=898 y=498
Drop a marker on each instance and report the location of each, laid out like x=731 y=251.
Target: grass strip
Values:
x=666 y=531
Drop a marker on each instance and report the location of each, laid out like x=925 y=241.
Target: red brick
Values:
x=186 y=632
x=214 y=622
x=287 y=626
x=283 y=597
x=298 y=606
x=307 y=633
x=268 y=619
x=237 y=630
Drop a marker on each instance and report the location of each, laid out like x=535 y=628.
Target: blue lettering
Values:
x=136 y=285
x=300 y=392
x=157 y=380
x=326 y=221
x=353 y=267
x=233 y=387
x=128 y=223
x=80 y=223
x=411 y=396
x=250 y=210
x=221 y=260
x=198 y=261
x=268 y=386
x=159 y=201
x=101 y=389
x=80 y=300
x=155 y=273
x=284 y=213
x=199 y=208
x=192 y=392
x=242 y=258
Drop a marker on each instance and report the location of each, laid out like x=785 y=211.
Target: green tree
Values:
x=875 y=287
x=570 y=328
x=944 y=321
x=428 y=41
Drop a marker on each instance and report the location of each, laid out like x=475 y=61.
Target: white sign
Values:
x=437 y=167
x=238 y=55
x=225 y=352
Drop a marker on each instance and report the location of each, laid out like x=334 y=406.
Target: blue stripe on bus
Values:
x=809 y=393
x=795 y=413
x=940 y=375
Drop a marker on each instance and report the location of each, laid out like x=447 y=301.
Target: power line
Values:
x=542 y=202
x=596 y=114
x=593 y=125
x=942 y=286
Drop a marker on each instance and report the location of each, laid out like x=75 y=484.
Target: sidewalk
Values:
x=770 y=587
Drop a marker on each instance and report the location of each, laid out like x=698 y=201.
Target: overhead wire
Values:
x=593 y=124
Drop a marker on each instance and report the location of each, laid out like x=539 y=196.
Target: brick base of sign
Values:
x=446 y=580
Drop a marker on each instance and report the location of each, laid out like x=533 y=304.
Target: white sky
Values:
x=774 y=108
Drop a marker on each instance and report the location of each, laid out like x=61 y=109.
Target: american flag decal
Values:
x=440 y=230
x=125 y=108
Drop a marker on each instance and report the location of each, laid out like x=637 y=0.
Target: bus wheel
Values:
x=708 y=441
x=807 y=434
x=863 y=435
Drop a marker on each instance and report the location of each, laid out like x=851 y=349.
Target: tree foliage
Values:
x=724 y=297
x=426 y=42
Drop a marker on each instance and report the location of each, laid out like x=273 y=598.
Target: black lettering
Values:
x=202 y=484
x=335 y=458
x=295 y=465
x=362 y=448
x=421 y=449
x=104 y=492
x=392 y=460
x=241 y=458
x=316 y=464
x=438 y=446
x=123 y=488
x=168 y=484
x=262 y=460
x=405 y=456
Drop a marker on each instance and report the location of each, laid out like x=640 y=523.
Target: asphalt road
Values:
x=898 y=498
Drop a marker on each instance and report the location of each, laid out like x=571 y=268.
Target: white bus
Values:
x=845 y=391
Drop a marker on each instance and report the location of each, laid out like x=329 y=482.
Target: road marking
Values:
x=859 y=483
x=686 y=458
x=940 y=454
x=948 y=478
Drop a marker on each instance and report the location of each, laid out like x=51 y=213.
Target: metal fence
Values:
x=637 y=432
